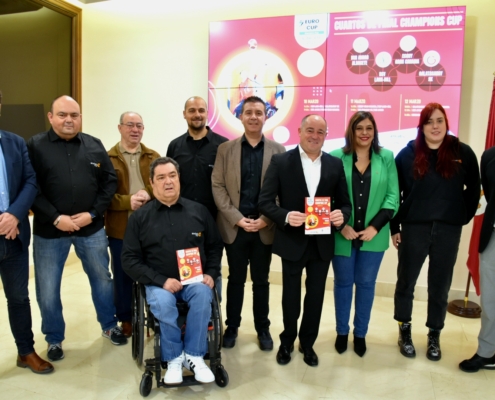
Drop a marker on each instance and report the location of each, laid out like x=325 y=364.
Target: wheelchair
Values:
x=142 y=318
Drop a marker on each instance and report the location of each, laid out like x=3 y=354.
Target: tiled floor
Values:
x=95 y=369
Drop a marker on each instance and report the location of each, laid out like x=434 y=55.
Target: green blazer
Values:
x=384 y=193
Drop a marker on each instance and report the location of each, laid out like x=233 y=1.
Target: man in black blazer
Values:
x=303 y=172
x=485 y=355
x=17 y=193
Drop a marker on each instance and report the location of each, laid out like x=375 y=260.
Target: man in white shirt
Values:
x=293 y=176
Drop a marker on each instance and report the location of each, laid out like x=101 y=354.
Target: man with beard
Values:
x=195 y=151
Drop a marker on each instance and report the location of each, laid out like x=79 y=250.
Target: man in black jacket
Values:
x=293 y=176
x=76 y=183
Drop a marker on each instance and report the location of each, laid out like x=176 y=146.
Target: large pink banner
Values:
x=390 y=63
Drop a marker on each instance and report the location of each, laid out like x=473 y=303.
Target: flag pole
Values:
x=465 y=308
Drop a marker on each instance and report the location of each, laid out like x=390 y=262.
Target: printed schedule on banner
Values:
x=390 y=63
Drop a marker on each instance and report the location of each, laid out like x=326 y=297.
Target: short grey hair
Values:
x=121 y=121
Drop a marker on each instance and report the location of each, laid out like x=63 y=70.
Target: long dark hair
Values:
x=448 y=151
x=350 y=143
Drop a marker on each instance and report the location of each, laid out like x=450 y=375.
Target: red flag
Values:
x=473 y=261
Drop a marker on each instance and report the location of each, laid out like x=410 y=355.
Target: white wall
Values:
x=150 y=56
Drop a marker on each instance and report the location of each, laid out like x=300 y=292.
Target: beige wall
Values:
x=149 y=56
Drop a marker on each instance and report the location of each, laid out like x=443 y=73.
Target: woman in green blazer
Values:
x=359 y=247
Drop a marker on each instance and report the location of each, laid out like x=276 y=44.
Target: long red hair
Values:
x=448 y=152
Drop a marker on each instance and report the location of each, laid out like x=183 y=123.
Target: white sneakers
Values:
x=202 y=373
x=173 y=376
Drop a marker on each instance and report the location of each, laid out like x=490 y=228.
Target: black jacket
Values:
x=285 y=178
x=434 y=198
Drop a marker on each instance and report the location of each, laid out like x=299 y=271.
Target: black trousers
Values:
x=248 y=249
x=122 y=283
x=440 y=242
x=316 y=275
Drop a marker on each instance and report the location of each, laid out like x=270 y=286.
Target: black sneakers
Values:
x=229 y=337
x=265 y=341
x=115 y=335
x=405 y=340
x=434 y=353
x=55 y=352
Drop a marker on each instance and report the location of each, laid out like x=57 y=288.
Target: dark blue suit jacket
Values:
x=22 y=182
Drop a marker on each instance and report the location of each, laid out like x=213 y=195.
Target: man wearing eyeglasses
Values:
x=76 y=183
x=131 y=160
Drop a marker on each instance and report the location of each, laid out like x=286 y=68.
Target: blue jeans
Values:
x=14 y=269
x=360 y=269
x=49 y=260
x=122 y=295
x=163 y=306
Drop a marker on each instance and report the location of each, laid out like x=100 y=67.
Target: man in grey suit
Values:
x=485 y=355
x=237 y=178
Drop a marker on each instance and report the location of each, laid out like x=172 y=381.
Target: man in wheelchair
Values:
x=156 y=234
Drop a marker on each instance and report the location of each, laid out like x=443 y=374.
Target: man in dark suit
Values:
x=485 y=355
x=17 y=193
x=237 y=177
x=300 y=173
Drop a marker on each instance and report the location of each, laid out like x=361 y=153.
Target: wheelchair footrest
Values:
x=187 y=380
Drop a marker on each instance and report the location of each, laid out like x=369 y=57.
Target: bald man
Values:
x=195 y=151
x=76 y=183
x=293 y=176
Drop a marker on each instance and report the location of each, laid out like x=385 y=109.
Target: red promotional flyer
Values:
x=390 y=63
x=318 y=216
x=189 y=262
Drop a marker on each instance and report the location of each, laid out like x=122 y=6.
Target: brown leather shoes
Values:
x=35 y=363
x=127 y=328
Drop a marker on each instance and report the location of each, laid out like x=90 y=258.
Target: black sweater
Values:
x=434 y=198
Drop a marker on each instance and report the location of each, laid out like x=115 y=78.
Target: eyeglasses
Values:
x=131 y=125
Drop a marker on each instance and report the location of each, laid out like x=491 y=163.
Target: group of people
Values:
x=248 y=195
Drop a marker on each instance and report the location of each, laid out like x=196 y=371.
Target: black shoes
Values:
x=283 y=354
x=310 y=356
x=341 y=343
x=405 y=340
x=229 y=337
x=476 y=362
x=55 y=352
x=434 y=353
x=265 y=341
x=359 y=346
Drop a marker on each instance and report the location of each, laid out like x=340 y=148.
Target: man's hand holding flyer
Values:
x=318 y=216
x=190 y=268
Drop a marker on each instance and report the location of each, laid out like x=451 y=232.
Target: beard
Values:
x=197 y=126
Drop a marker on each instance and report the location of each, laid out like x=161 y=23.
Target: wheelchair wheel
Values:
x=221 y=376
x=146 y=384
x=138 y=326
